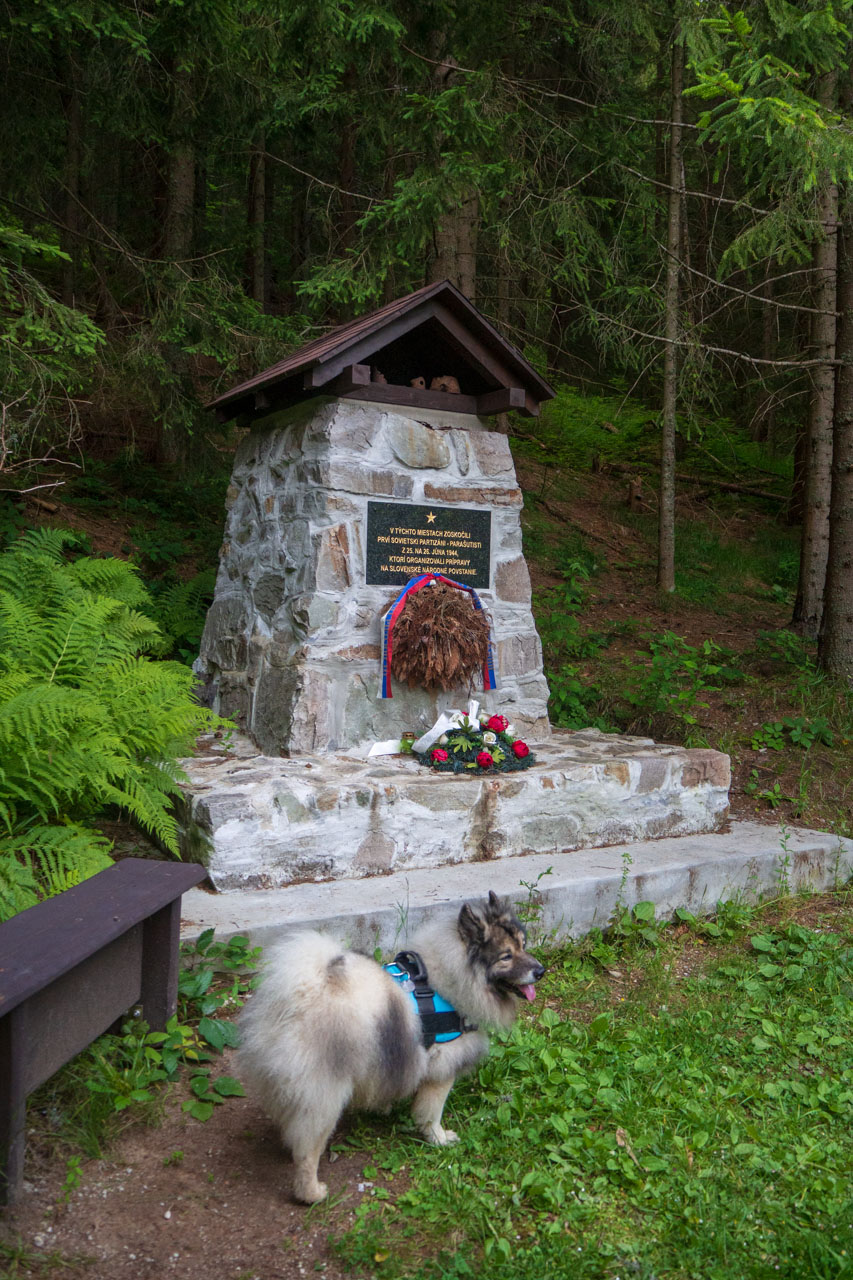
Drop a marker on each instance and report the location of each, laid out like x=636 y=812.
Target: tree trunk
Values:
x=389 y=288
x=764 y=418
x=456 y=246
x=346 y=162
x=501 y=421
x=456 y=235
x=69 y=235
x=666 y=514
x=814 y=546
x=180 y=177
x=835 y=648
x=257 y=223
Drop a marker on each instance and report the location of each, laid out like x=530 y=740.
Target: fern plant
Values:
x=87 y=718
x=180 y=609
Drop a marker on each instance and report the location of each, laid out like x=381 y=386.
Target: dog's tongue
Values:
x=529 y=992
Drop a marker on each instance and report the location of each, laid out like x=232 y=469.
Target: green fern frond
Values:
x=109 y=577
x=46 y=859
x=87 y=719
x=180 y=610
x=50 y=543
x=18 y=887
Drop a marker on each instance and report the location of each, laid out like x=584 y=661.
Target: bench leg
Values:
x=13 y=1104
x=160 y=962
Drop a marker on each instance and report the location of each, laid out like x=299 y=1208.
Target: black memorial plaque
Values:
x=405 y=540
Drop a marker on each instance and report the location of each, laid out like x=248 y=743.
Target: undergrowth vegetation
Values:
x=88 y=717
x=711 y=665
x=123 y=1077
x=680 y=1107
x=581 y=430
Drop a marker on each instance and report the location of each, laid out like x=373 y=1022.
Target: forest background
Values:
x=651 y=201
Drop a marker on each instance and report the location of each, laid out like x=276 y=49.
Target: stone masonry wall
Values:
x=291 y=644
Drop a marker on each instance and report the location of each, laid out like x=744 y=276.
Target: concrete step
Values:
x=575 y=891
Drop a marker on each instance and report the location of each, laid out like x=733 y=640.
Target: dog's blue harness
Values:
x=439 y=1020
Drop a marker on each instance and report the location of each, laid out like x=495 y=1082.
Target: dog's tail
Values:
x=303 y=968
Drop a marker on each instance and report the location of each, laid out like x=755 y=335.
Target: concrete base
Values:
x=269 y=821
x=575 y=891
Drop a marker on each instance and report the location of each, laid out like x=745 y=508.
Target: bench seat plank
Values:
x=44 y=942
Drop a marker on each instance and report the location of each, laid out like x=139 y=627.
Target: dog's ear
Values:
x=472 y=927
x=496 y=908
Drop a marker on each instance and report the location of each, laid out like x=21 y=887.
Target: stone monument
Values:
x=359 y=471
x=335 y=501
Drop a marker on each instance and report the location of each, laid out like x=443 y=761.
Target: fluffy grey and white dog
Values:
x=330 y=1029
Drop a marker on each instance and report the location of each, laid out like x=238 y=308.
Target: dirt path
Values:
x=185 y=1200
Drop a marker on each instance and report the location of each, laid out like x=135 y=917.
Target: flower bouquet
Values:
x=478 y=746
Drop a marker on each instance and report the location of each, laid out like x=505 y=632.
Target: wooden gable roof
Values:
x=431 y=333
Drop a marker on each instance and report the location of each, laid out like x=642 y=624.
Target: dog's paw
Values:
x=310 y=1193
x=439 y=1137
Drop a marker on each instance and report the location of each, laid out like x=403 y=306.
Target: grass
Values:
x=19 y=1260
x=580 y=430
x=681 y=1107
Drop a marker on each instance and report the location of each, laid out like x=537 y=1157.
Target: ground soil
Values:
x=185 y=1200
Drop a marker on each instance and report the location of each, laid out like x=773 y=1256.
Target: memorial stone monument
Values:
x=347 y=487
x=369 y=461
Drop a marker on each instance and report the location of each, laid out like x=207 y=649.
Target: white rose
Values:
x=442 y=742
x=490 y=738
x=510 y=729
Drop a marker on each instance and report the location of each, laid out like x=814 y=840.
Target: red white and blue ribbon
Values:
x=490 y=679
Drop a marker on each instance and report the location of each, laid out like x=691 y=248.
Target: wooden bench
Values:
x=70 y=967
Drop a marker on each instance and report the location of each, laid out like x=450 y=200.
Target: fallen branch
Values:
x=725 y=485
x=587 y=533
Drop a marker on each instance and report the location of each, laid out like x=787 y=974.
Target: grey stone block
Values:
x=574 y=892
x=416 y=445
x=268 y=595
x=462 y=451
x=512 y=581
x=369 y=816
x=293 y=624
x=330 y=551
x=492 y=453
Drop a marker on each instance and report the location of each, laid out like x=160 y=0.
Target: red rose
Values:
x=439 y=755
x=484 y=760
x=497 y=724
x=521 y=749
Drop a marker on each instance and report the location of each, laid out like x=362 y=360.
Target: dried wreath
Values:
x=441 y=637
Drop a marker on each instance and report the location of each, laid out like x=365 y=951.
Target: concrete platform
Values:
x=268 y=821
x=576 y=891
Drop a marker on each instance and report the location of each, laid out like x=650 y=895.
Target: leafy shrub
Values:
x=672 y=685
x=86 y=718
x=130 y=1068
x=802 y=732
x=574 y=703
x=788 y=649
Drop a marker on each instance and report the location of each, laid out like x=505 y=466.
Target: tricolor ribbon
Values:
x=490 y=680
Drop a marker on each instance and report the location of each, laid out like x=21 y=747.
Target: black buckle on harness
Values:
x=433 y=1023
x=414 y=966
